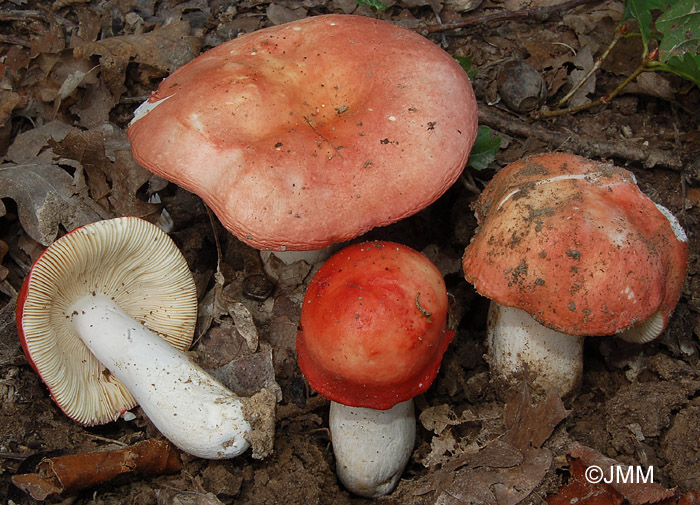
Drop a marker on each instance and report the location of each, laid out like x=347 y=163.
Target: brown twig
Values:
x=584 y=145
x=22 y=15
x=603 y=100
x=537 y=13
x=13 y=40
x=619 y=34
x=67 y=474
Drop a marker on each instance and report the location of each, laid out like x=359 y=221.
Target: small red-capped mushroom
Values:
x=103 y=318
x=313 y=132
x=568 y=247
x=373 y=332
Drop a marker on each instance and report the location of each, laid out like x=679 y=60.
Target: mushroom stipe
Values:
x=97 y=316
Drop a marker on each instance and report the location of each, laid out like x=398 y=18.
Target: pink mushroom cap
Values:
x=313 y=132
x=374 y=325
x=577 y=245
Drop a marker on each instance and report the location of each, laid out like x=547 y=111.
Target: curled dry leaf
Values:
x=583 y=63
x=50 y=40
x=113 y=177
x=250 y=373
x=31 y=146
x=164 y=49
x=437 y=418
x=68 y=474
x=169 y=496
x=46 y=197
x=580 y=490
x=3 y=251
x=505 y=471
x=9 y=100
x=279 y=14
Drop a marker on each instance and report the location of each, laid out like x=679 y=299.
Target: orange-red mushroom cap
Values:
x=577 y=245
x=373 y=325
x=313 y=132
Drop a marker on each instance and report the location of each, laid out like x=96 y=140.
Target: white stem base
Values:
x=189 y=407
x=521 y=347
x=372 y=447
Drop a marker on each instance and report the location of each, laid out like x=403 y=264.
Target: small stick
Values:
x=537 y=13
x=603 y=100
x=619 y=34
x=580 y=143
x=67 y=474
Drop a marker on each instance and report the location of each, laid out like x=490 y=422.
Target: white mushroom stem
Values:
x=189 y=407
x=520 y=347
x=372 y=447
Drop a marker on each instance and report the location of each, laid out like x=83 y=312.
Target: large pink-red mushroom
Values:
x=568 y=247
x=313 y=132
x=373 y=332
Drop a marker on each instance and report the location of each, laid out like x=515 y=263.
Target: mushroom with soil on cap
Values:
x=311 y=133
x=104 y=317
x=566 y=248
x=373 y=332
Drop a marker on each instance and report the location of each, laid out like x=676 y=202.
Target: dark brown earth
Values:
x=638 y=404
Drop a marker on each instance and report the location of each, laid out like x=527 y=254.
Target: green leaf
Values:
x=679 y=49
x=374 y=4
x=688 y=67
x=641 y=11
x=484 y=149
x=466 y=63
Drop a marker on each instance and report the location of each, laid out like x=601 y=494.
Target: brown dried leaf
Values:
x=113 y=177
x=582 y=492
x=636 y=493
x=593 y=25
x=168 y=496
x=505 y=471
x=486 y=476
x=288 y=277
x=8 y=101
x=95 y=105
x=652 y=84
x=51 y=40
x=17 y=60
x=165 y=49
x=441 y=446
x=693 y=196
x=250 y=373
x=439 y=417
x=30 y=146
x=280 y=14
x=532 y=425
x=242 y=319
x=584 y=63
x=3 y=251
x=126 y=176
x=87 y=147
x=46 y=197
x=88 y=26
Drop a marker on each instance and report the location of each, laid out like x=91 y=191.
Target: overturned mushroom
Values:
x=103 y=318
